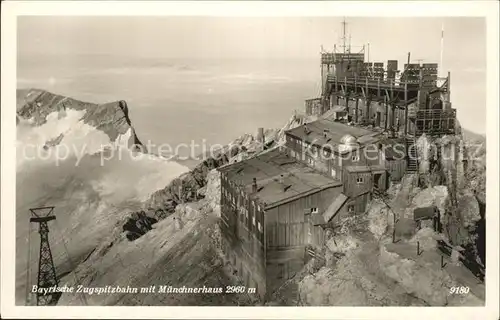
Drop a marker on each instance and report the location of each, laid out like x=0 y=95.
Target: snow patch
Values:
x=342 y=244
x=378 y=217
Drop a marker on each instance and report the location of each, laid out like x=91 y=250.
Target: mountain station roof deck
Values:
x=330 y=134
x=279 y=178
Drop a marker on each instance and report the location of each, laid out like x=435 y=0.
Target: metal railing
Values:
x=375 y=81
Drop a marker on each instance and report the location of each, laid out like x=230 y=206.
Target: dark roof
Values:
x=268 y=169
x=338 y=109
x=395 y=148
x=314 y=134
x=317 y=219
x=334 y=207
x=424 y=213
x=365 y=168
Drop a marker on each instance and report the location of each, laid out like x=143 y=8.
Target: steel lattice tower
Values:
x=46 y=270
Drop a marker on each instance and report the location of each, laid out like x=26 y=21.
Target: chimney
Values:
x=282 y=179
x=261 y=138
x=325 y=133
x=260 y=135
x=306 y=129
x=254 y=185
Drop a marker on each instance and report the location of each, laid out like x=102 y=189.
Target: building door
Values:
x=377 y=119
x=376 y=181
x=334 y=173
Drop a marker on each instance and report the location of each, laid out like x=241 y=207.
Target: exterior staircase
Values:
x=411 y=153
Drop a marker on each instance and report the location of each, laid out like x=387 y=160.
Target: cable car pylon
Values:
x=47 y=276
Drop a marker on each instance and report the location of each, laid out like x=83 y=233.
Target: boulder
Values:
x=341 y=244
x=379 y=218
x=468 y=209
x=436 y=196
x=426 y=237
x=405 y=228
x=213 y=193
x=425 y=152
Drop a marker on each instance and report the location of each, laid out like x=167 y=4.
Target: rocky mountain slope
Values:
x=110 y=118
x=171 y=238
x=191 y=186
x=373 y=259
x=92 y=242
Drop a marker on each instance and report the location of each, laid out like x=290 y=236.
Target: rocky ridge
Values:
x=111 y=118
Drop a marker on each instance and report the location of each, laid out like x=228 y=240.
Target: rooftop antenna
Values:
x=368 y=52
x=442 y=49
x=343 y=33
x=349 y=50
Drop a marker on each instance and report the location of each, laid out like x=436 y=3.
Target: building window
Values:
x=310 y=161
x=314 y=150
x=259 y=226
x=281 y=272
x=360 y=180
x=350 y=208
x=355 y=158
x=253 y=220
x=314 y=210
x=334 y=173
x=292 y=153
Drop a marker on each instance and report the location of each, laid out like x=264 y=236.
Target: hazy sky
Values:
x=267 y=38
x=222 y=37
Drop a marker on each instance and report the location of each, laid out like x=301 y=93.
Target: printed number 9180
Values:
x=459 y=290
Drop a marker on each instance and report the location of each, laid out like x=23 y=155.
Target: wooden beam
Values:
x=378 y=87
x=355 y=84
x=336 y=85
x=356 y=112
x=366 y=85
x=387 y=95
x=386 y=111
x=347 y=103
x=406 y=109
x=368 y=101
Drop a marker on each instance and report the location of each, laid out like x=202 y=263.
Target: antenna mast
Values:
x=47 y=277
x=442 y=49
x=343 y=33
x=349 y=50
x=368 y=52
